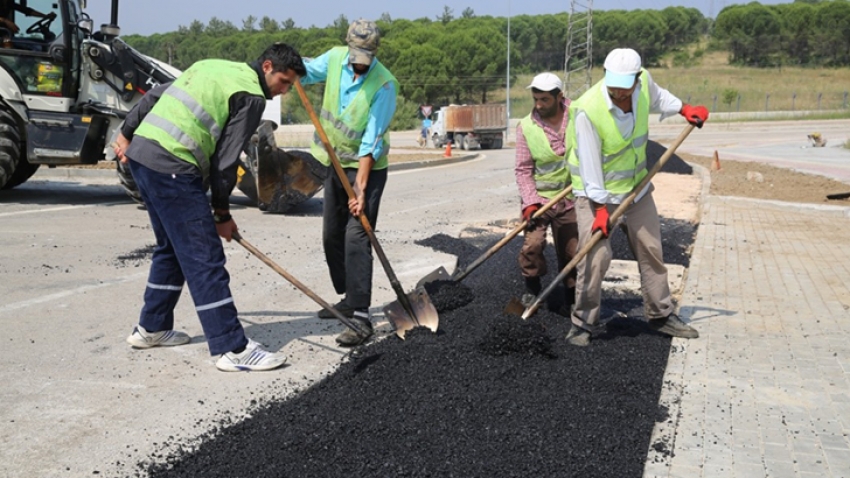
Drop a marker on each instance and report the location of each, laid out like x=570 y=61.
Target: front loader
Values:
x=65 y=89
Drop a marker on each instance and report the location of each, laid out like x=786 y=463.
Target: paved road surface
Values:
x=76 y=399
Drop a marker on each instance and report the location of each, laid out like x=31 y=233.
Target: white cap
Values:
x=621 y=66
x=546 y=82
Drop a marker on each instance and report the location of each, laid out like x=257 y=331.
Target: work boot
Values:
x=350 y=338
x=578 y=336
x=569 y=303
x=533 y=286
x=673 y=326
x=341 y=307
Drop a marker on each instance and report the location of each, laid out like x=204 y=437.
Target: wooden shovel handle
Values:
x=477 y=262
x=597 y=236
x=402 y=297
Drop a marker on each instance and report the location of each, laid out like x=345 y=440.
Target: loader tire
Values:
x=128 y=183
x=14 y=168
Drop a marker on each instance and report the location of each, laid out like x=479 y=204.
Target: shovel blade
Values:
x=423 y=309
x=437 y=274
x=515 y=307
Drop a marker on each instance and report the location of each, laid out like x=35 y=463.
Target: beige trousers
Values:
x=643 y=229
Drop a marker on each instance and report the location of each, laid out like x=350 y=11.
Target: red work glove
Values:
x=696 y=115
x=600 y=221
x=527 y=214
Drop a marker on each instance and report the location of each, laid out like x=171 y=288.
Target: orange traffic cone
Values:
x=715 y=165
x=448 y=150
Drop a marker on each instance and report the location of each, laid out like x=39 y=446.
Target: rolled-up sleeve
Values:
x=380 y=115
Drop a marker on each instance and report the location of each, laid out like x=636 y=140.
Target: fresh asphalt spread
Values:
x=489 y=395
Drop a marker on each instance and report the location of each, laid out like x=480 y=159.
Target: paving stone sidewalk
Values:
x=765 y=390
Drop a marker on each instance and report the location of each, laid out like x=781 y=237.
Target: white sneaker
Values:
x=142 y=339
x=254 y=358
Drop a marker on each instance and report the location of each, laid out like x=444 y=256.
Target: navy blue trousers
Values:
x=188 y=250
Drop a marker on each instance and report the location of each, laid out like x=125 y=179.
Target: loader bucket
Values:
x=276 y=179
x=424 y=313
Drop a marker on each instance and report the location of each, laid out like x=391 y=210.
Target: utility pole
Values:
x=508 y=79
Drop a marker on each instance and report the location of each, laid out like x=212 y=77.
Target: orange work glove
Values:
x=600 y=221
x=527 y=214
x=696 y=115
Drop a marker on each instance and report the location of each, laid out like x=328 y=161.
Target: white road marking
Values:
x=47 y=298
x=63 y=208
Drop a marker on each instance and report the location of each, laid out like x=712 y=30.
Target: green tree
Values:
x=468 y=13
x=249 y=23
x=269 y=25
x=446 y=16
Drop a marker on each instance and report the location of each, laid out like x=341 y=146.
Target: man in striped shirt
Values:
x=541 y=173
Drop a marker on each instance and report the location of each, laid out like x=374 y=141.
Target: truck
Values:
x=470 y=126
x=65 y=90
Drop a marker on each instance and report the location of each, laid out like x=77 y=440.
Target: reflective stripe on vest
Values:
x=345 y=128
x=550 y=170
x=187 y=121
x=623 y=159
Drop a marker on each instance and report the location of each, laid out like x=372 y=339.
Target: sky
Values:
x=162 y=16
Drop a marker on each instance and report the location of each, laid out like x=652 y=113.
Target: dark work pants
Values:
x=348 y=251
x=532 y=262
x=188 y=249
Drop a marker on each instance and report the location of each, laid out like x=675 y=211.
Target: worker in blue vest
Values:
x=609 y=128
x=358 y=105
x=181 y=136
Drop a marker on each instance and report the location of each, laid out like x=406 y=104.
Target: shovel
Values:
x=515 y=307
x=410 y=310
x=440 y=274
x=298 y=285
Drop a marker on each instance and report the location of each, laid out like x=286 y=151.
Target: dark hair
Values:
x=554 y=93
x=283 y=57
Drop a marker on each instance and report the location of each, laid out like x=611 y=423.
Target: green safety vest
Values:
x=551 y=175
x=345 y=129
x=188 y=119
x=623 y=159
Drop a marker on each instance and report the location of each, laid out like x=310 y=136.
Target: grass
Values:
x=711 y=81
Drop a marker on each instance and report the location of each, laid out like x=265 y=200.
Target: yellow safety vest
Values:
x=551 y=175
x=189 y=117
x=345 y=129
x=623 y=159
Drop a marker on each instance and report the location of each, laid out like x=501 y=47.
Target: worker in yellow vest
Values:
x=180 y=137
x=359 y=103
x=609 y=128
x=541 y=173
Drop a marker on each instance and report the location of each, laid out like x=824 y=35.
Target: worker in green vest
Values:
x=541 y=173
x=359 y=103
x=609 y=128
x=180 y=137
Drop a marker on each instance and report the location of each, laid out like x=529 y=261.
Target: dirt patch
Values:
x=761 y=181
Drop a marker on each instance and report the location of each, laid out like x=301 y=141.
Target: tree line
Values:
x=464 y=58
x=447 y=59
x=805 y=33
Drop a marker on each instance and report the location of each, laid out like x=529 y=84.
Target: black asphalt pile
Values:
x=489 y=395
x=448 y=295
